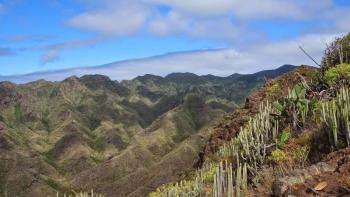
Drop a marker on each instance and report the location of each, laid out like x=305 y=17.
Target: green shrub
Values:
x=99 y=144
x=283 y=138
x=301 y=154
x=304 y=139
x=272 y=90
x=278 y=156
x=46 y=121
x=97 y=157
x=18 y=113
x=53 y=184
x=208 y=176
x=338 y=72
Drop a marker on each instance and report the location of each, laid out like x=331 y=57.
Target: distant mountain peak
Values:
x=181 y=75
x=95 y=77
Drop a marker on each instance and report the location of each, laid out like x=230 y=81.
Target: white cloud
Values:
x=341 y=17
x=221 y=62
x=223 y=20
x=220 y=28
x=117 y=19
x=288 y=51
x=172 y=23
x=295 y=9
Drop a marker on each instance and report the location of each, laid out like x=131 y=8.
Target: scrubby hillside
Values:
x=95 y=133
x=289 y=139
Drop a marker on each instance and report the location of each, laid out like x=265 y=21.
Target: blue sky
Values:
x=41 y=35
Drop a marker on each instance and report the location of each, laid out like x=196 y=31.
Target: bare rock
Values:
x=281 y=185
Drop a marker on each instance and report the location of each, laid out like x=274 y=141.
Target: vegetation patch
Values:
x=97 y=157
x=53 y=184
x=341 y=71
x=46 y=121
x=278 y=156
x=50 y=160
x=283 y=138
x=18 y=113
x=273 y=90
x=301 y=154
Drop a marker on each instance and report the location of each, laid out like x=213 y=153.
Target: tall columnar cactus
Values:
x=249 y=150
x=253 y=139
x=336 y=115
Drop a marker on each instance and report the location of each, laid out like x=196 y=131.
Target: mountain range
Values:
x=119 y=138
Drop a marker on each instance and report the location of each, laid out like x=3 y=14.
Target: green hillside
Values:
x=95 y=133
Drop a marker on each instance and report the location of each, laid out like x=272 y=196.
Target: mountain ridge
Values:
x=85 y=125
x=283 y=68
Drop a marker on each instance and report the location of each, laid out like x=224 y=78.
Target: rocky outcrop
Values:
x=333 y=172
x=299 y=176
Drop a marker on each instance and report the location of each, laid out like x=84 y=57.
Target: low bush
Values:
x=336 y=73
x=301 y=154
x=278 y=156
x=283 y=138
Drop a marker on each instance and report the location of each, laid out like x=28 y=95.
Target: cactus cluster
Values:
x=189 y=188
x=249 y=151
x=81 y=194
x=252 y=141
x=242 y=156
x=295 y=108
x=336 y=115
x=230 y=182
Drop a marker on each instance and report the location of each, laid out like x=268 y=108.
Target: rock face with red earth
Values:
x=333 y=172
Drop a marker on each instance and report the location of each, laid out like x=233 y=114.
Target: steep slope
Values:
x=55 y=135
x=175 y=138
x=240 y=130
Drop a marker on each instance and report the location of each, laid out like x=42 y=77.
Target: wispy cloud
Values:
x=221 y=62
x=27 y=38
x=51 y=53
x=6 y=51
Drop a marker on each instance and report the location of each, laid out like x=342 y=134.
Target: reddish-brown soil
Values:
x=338 y=182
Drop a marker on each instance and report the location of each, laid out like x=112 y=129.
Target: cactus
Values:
x=295 y=108
x=336 y=115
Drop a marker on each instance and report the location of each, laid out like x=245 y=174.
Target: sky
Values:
x=54 y=39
